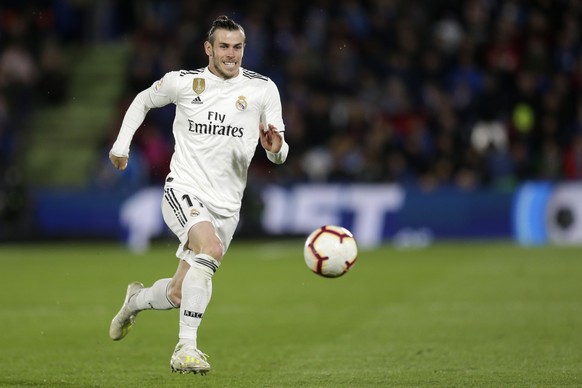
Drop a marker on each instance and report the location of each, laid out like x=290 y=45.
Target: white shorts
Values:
x=182 y=210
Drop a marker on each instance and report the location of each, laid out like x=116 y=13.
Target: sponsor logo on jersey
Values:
x=198 y=85
x=212 y=128
x=197 y=100
x=241 y=103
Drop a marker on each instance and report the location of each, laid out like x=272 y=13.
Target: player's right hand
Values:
x=119 y=162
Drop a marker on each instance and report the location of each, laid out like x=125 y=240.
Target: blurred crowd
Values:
x=475 y=93
x=32 y=74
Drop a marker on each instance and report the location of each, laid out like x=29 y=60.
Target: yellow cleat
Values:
x=188 y=359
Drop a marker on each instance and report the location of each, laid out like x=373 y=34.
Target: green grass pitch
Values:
x=451 y=315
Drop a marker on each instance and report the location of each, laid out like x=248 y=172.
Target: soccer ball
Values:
x=330 y=251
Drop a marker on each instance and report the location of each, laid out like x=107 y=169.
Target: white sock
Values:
x=153 y=298
x=196 y=293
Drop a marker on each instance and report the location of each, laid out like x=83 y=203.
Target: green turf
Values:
x=452 y=315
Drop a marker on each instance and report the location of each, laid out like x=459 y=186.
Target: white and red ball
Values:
x=330 y=251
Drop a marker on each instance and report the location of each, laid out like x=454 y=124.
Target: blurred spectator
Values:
x=573 y=158
x=18 y=75
x=156 y=152
x=53 y=81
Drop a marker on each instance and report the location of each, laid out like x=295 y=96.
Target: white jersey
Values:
x=216 y=131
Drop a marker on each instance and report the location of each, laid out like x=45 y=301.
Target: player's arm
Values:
x=156 y=96
x=272 y=128
x=273 y=141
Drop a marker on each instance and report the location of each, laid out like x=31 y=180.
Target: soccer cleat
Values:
x=188 y=359
x=125 y=318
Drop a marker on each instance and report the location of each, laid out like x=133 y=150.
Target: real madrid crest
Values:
x=241 y=103
x=198 y=85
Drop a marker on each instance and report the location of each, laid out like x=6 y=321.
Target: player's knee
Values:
x=212 y=248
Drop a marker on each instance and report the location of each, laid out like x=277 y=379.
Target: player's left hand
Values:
x=120 y=162
x=271 y=139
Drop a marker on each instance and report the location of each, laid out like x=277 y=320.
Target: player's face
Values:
x=225 y=56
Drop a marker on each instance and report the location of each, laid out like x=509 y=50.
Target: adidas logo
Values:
x=197 y=100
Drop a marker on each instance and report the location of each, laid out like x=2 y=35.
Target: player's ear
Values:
x=208 y=48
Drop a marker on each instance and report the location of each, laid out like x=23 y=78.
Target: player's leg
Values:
x=156 y=297
x=193 y=289
x=139 y=298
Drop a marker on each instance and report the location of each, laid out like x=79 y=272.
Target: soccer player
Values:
x=222 y=111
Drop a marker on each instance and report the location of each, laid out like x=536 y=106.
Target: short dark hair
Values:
x=225 y=23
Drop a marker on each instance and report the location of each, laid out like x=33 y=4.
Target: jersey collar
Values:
x=214 y=77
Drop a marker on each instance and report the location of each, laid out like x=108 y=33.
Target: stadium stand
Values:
x=470 y=94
